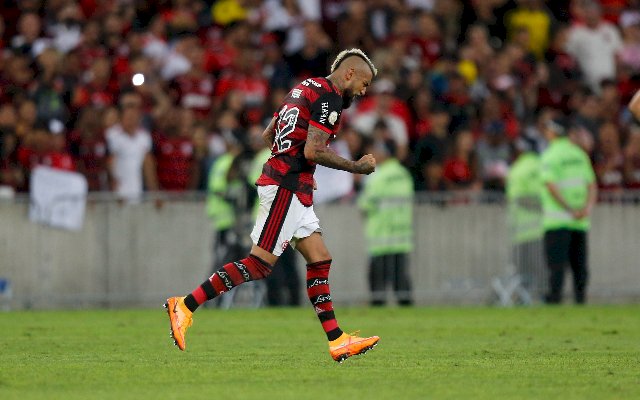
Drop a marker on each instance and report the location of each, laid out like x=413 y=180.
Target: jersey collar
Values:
x=333 y=86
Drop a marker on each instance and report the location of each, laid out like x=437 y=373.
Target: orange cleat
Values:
x=349 y=345
x=180 y=318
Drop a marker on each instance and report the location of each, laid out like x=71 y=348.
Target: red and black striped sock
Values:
x=226 y=278
x=320 y=296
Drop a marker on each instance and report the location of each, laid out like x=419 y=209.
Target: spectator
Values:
x=426 y=44
x=313 y=58
x=535 y=19
x=386 y=202
x=588 y=112
x=493 y=157
x=194 y=89
x=28 y=40
x=433 y=146
x=366 y=121
x=562 y=74
x=609 y=159
x=132 y=165
x=629 y=54
x=98 y=89
x=632 y=160
x=48 y=91
x=177 y=165
x=461 y=167
x=27 y=118
x=10 y=173
x=245 y=77
x=594 y=45
x=89 y=149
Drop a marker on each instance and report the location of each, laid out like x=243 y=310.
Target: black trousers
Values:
x=389 y=269
x=566 y=247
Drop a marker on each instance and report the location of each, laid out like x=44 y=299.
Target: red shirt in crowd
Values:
x=458 y=171
x=428 y=50
x=91 y=157
x=175 y=161
x=195 y=93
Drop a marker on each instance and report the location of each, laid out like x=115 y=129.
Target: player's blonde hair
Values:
x=344 y=54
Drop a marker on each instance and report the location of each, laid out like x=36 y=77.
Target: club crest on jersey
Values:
x=333 y=117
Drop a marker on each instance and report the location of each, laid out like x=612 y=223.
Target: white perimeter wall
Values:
x=137 y=255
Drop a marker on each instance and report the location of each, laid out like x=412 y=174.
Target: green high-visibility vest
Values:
x=219 y=210
x=524 y=191
x=387 y=201
x=256 y=170
x=569 y=168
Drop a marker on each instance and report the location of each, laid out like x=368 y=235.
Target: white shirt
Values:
x=128 y=153
x=595 y=50
x=365 y=122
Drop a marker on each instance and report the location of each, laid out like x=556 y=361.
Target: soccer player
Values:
x=298 y=134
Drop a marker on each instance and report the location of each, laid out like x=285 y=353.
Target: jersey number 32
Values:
x=287 y=118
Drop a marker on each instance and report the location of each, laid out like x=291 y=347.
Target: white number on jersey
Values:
x=287 y=118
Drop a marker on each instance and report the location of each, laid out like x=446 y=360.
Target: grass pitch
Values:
x=567 y=352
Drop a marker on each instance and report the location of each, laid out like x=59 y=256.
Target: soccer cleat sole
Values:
x=344 y=356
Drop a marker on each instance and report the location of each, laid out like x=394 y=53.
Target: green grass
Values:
x=546 y=353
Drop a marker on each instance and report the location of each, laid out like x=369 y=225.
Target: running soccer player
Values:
x=298 y=134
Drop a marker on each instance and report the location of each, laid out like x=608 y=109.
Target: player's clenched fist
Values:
x=366 y=165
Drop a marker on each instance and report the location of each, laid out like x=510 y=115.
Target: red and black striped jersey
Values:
x=317 y=102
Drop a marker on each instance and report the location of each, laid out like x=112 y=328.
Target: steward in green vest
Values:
x=524 y=190
x=567 y=201
x=387 y=204
x=221 y=208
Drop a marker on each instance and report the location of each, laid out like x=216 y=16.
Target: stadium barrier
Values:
x=138 y=254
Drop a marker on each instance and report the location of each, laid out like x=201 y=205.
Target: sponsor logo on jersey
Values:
x=310 y=81
x=295 y=93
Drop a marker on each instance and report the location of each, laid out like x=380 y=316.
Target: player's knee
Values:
x=259 y=268
x=320 y=265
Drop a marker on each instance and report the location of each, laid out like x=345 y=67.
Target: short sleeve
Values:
x=325 y=112
x=113 y=141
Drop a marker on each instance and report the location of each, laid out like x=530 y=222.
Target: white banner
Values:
x=58 y=198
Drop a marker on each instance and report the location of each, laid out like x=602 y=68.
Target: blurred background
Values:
x=156 y=107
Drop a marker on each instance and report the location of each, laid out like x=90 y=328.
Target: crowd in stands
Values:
x=137 y=94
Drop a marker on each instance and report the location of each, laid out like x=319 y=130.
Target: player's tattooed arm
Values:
x=270 y=132
x=316 y=150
